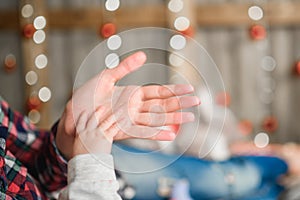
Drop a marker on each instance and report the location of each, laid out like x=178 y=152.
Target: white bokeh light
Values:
x=45 y=94
x=178 y=42
x=114 y=42
x=268 y=63
x=41 y=61
x=129 y=193
x=268 y=84
x=27 y=11
x=10 y=60
x=31 y=78
x=181 y=23
x=175 y=5
x=267 y=97
x=39 y=22
x=261 y=140
x=39 y=36
x=34 y=116
x=255 y=13
x=112 y=60
x=112 y=5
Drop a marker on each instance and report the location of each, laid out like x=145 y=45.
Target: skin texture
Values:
x=124 y=112
x=91 y=137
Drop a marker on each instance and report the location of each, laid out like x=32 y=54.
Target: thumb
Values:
x=128 y=65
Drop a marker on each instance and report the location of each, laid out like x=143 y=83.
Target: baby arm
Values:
x=91 y=170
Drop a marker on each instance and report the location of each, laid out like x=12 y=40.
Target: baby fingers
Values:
x=81 y=122
x=145 y=132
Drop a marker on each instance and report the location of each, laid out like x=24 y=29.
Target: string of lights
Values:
x=33 y=24
x=266 y=85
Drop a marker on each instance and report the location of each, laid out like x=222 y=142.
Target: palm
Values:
x=135 y=111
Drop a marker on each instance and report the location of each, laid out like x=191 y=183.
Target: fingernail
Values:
x=141 y=55
x=184 y=89
x=189 y=117
x=188 y=88
x=191 y=88
x=198 y=101
x=172 y=136
x=191 y=101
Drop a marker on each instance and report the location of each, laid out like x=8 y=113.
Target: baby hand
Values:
x=92 y=136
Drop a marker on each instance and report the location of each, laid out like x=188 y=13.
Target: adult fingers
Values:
x=145 y=132
x=170 y=104
x=165 y=91
x=128 y=65
x=162 y=119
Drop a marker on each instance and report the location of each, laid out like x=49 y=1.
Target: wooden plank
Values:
x=92 y=18
x=74 y=18
x=223 y=15
x=282 y=14
x=233 y=14
x=211 y=15
x=141 y=16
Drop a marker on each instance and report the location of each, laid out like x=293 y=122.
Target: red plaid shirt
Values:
x=30 y=164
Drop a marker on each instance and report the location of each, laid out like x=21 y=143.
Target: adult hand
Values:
x=135 y=111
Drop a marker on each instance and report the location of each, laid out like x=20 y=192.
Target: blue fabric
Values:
x=240 y=178
x=3 y=132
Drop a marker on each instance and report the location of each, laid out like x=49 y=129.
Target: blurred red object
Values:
x=28 y=30
x=258 y=32
x=223 y=98
x=108 y=30
x=270 y=124
x=10 y=63
x=189 y=32
x=245 y=127
x=174 y=128
x=297 y=68
x=33 y=103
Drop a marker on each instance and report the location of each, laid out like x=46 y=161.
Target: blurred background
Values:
x=255 y=45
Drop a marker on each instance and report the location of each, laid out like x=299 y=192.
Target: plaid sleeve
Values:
x=51 y=166
x=3 y=179
x=15 y=182
x=35 y=149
